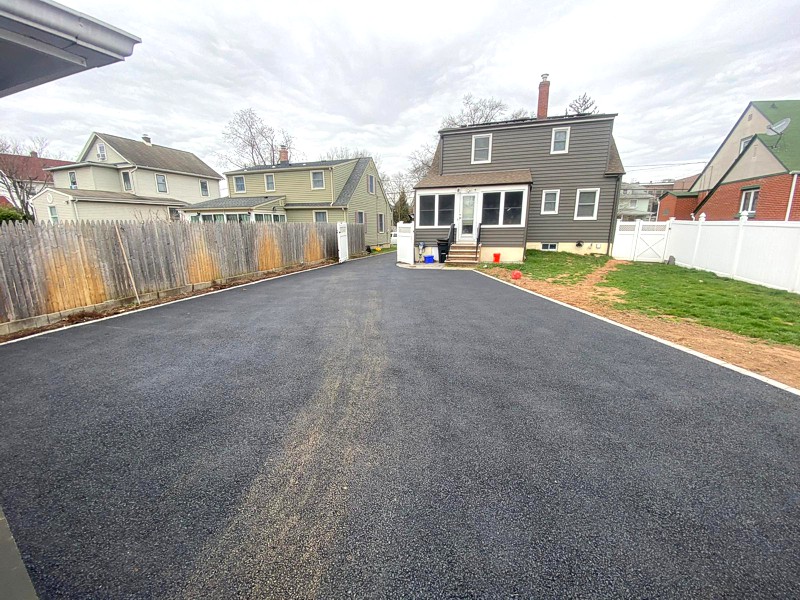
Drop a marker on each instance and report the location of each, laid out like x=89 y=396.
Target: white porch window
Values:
x=502 y=208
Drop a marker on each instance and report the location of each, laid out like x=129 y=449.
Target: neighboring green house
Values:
x=328 y=191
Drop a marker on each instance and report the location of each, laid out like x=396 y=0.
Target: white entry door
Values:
x=467 y=212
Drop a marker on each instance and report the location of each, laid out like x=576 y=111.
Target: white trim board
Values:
x=716 y=361
x=136 y=310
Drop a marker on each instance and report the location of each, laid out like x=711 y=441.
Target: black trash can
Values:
x=443 y=247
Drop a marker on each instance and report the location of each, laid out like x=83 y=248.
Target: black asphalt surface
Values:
x=369 y=431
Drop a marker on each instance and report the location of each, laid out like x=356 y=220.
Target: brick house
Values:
x=753 y=172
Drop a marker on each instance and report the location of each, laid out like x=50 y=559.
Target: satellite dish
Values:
x=779 y=127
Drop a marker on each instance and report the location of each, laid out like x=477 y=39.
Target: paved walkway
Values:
x=369 y=431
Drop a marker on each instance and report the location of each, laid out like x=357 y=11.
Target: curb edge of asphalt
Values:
x=716 y=361
x=14 y=577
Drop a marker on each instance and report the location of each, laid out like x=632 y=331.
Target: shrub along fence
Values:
x=57 y=270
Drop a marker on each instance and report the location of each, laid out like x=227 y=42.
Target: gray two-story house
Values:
x=544 y=183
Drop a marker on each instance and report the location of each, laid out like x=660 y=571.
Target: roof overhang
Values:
x=41 y=41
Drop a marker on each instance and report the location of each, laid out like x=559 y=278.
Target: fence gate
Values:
x=641 y=241
x=344 y=248
x=405 y=243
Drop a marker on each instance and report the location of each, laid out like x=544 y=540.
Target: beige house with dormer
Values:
x=117 y=178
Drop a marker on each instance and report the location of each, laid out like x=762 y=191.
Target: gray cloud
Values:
x=382 y=77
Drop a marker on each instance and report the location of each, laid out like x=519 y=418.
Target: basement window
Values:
x=549 y=246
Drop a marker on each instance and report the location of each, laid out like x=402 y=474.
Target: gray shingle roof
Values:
x=352 y=182
x=237 y=202
x=301 y=165
x=159 y=157
x=614 y=166
x=103 y=196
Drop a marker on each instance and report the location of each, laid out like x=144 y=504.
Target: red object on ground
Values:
x=516 y=274
x=496 y=257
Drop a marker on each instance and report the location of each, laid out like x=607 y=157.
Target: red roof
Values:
x=5 y=202
x=30 y=167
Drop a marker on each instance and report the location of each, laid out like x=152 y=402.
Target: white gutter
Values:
x=791 y=196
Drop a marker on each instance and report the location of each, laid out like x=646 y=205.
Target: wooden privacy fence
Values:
x=47 y=269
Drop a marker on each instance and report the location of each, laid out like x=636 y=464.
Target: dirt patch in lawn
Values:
x=779 y=362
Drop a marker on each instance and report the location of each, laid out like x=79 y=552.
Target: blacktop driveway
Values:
x=369 y=431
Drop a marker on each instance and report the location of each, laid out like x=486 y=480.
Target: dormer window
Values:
x=269 y=182
x=101 y=151
x=559 y=142
x=238 y=184
x=481 y=148
x=73 y=180
x=743 y=143
x=127 y=184
x=317 y=180
x=203 y=187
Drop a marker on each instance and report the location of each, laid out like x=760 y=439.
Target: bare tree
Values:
x=346 y=152
x=475 y=111
x=252 y=141
x=582 y=105
x=18 y=178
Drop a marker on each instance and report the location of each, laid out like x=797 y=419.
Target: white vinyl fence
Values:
x=405 y=243
x=762 y=252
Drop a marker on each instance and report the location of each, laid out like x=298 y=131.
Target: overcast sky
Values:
x=381 y=75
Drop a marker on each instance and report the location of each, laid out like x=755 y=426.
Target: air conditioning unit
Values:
x=73 y=187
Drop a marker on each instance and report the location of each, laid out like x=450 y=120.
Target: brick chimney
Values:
x=34 y=154
x=283 y=156
x=544 y=97
x=146 y=139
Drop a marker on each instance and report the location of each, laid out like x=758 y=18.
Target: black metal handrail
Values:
x=478 y=236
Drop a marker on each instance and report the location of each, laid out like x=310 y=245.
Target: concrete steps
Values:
x=463 y=254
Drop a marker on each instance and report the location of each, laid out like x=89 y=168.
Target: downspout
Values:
x=791 y=196
x=75 y=209
x=613 y=225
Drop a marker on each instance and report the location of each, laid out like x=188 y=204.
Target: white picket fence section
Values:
x=405 y=243
x=761 y=252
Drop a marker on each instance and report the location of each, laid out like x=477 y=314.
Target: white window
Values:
x=559 y=143
x=437 y=210
x=371 y=184
x=269 y=182
x=238 y=184
x=550 y=202
x=73 y=180
x=279 y=218
x=481 y=148
x=318 y=180
x=161 y=183
x=749 y=199
x=743 y=143
x=502 y=208
x=53 y=214
x=586 y=202
x=236 y=217
x=549 y=246
x=101 y=151
x=203 y=187
x=320 y=216
x=127 y=183
x=380 y=223
x=360 y=217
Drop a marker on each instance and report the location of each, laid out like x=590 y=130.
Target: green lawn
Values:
x=668 y=290
x=558 y=267
x=743 y=308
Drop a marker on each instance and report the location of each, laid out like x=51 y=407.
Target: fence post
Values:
x=700 y=222
x=636 y=233
x=738 y=248
x=670 y=221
